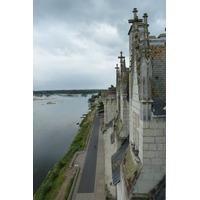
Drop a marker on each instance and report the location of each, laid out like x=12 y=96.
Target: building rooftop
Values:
x=107 y=126
x=116 y=160
x=112 y=137
x=160 y=194
x=158 y=56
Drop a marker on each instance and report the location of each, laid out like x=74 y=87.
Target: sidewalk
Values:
x=99 y=177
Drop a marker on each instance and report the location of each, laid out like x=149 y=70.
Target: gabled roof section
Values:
x=160 y=194
x=162 y=35
x=116 y=160
x=107 y=126
x=112 y=137
x=123 y=133
x=159 y=191
x=158 y=106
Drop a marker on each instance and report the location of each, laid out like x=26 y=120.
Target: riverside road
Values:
x=87 y=181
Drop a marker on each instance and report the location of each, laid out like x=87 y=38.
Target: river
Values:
x=55 y=121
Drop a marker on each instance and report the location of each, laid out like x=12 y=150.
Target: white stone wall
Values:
x=134 y=110
x=111 y=109
x=121 y=190
x=152 y=152
x=109 y=151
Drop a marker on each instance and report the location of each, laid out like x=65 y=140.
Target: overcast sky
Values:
x=76 y=43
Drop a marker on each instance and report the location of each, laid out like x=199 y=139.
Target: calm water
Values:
x=54 y=128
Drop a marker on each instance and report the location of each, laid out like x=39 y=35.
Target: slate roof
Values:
x=107 y=126
x=112 y=137
x=158 y=57
x=157 y=106
x=123 y=133
x=116 y=160
x=160 y=194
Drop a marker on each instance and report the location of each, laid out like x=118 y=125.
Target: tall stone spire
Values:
x=145 y=75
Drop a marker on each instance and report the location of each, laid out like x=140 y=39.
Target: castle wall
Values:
x=144 y=164
x=147 y=133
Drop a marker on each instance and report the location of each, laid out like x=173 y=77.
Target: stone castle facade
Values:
x=135 y=119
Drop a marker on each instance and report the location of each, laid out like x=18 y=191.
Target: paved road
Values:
x=87 y=181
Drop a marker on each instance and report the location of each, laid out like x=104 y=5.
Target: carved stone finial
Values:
x=116 y=67
x=135 y=13
x=121 y=57
x=146 y=33
x=145 y=16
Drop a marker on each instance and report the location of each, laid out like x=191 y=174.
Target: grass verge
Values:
x=68 y=189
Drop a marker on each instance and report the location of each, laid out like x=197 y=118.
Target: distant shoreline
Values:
x=65 y=92
x=69 y=95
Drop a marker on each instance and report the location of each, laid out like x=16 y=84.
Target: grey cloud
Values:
x=80 y=81
x=85 y=37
